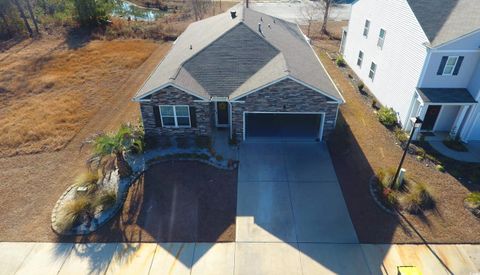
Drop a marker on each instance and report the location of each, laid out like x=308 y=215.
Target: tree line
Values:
x=18 y=17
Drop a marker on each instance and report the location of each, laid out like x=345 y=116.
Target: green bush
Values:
x=361 y=86
x=387 y=116
x=440 y=168
x=340 y=61
x=400 y=134
x=474 y=197
x=385 y=177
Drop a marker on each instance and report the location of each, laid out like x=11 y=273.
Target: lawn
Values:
x=51 y=91
x=360 y=146
x=61 y=95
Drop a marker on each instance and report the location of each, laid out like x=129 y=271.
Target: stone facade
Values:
x=173 y=96
x=284 y=96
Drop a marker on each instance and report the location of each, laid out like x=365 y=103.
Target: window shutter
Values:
x=442 y=65
x=459 y=64
x=193 y=117
x=156 y=113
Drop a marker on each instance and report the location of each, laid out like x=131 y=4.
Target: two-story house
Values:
x=420 y=57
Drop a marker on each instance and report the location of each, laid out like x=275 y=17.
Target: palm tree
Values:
x=109 y=149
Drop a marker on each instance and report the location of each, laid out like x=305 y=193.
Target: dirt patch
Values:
x=359 y=146
x=168 y=204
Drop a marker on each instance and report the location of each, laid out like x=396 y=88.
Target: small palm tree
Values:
x=109 y=149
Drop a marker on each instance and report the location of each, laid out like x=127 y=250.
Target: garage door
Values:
x=282 y=126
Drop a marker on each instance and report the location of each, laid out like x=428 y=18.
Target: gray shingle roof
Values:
x=230 y=57
x=445 y=95
x=445 y=20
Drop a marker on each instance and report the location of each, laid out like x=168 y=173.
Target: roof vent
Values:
x=191 y=46
x=261 y=18
x=233 y=14
x=269 y=26
x=274 y=21
x=260 y=27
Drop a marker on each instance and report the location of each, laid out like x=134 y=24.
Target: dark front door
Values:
x=222 y=114
x=431 y=117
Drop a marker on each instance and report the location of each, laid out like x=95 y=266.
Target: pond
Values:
x=125 y=9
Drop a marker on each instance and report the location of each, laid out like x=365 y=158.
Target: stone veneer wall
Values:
x=173 y=96
x=294 y=96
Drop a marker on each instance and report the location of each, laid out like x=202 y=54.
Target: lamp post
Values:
x=416 y=122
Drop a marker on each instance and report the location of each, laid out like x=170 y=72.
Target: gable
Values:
x=229 y=61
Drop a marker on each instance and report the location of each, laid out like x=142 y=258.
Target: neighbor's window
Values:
x=175 y=116
x=373 y=69
x=360 y=59
x=450 y=65
x=366 y=28
x=381 y=38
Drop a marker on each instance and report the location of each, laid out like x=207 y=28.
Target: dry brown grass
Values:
x=49 y=91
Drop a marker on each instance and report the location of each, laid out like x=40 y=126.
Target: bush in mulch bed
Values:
x=472 y=203
x=387 y=116
x=411 y=196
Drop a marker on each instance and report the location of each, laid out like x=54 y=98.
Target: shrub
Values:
x=455 y=144
x=440 y=168
x=420 y=158
x=420 y=152
x=106 y=199
x=72 y=212
x=340 y=61
x=203 y=141
x=361 y=86
x=474 y=198
x=182 y=142
x=87 y=179
x=400 y=135
x=218 y=157
x=385 y=177
x=387 y=116
x=374 y=104
x=417 y=198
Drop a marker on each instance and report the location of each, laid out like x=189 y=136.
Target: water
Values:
x=126 y=9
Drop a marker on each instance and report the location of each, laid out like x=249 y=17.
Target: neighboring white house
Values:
x=420 y=57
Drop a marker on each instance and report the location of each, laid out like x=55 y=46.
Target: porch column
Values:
x=458 y=121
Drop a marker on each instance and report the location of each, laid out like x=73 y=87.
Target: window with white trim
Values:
x=366 y=28
x=450 y=65
x=381 y=38
x=373 y=69
x=360 y=59
x=175 y=115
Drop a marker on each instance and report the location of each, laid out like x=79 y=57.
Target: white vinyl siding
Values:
x=399 y=63
x=175 y=115
x=381 y=38
x=373 y=70
x=360 y=59
x=366 y=28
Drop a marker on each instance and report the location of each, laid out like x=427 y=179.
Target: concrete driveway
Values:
x=288 y=192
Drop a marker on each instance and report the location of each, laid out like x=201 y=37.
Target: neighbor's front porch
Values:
x=443 y=111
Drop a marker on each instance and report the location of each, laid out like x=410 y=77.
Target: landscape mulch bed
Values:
x=360 y=146
x=175 y=201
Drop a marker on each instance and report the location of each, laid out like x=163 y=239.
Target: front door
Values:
x=431 y=117
x=222 y=114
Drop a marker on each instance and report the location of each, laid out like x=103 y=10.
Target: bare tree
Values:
x=325 y=6
x=24 y=18
x=310 y=13
x=200 y=8
x=30 y=11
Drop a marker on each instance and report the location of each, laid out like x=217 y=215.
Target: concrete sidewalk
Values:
x=234 y=258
